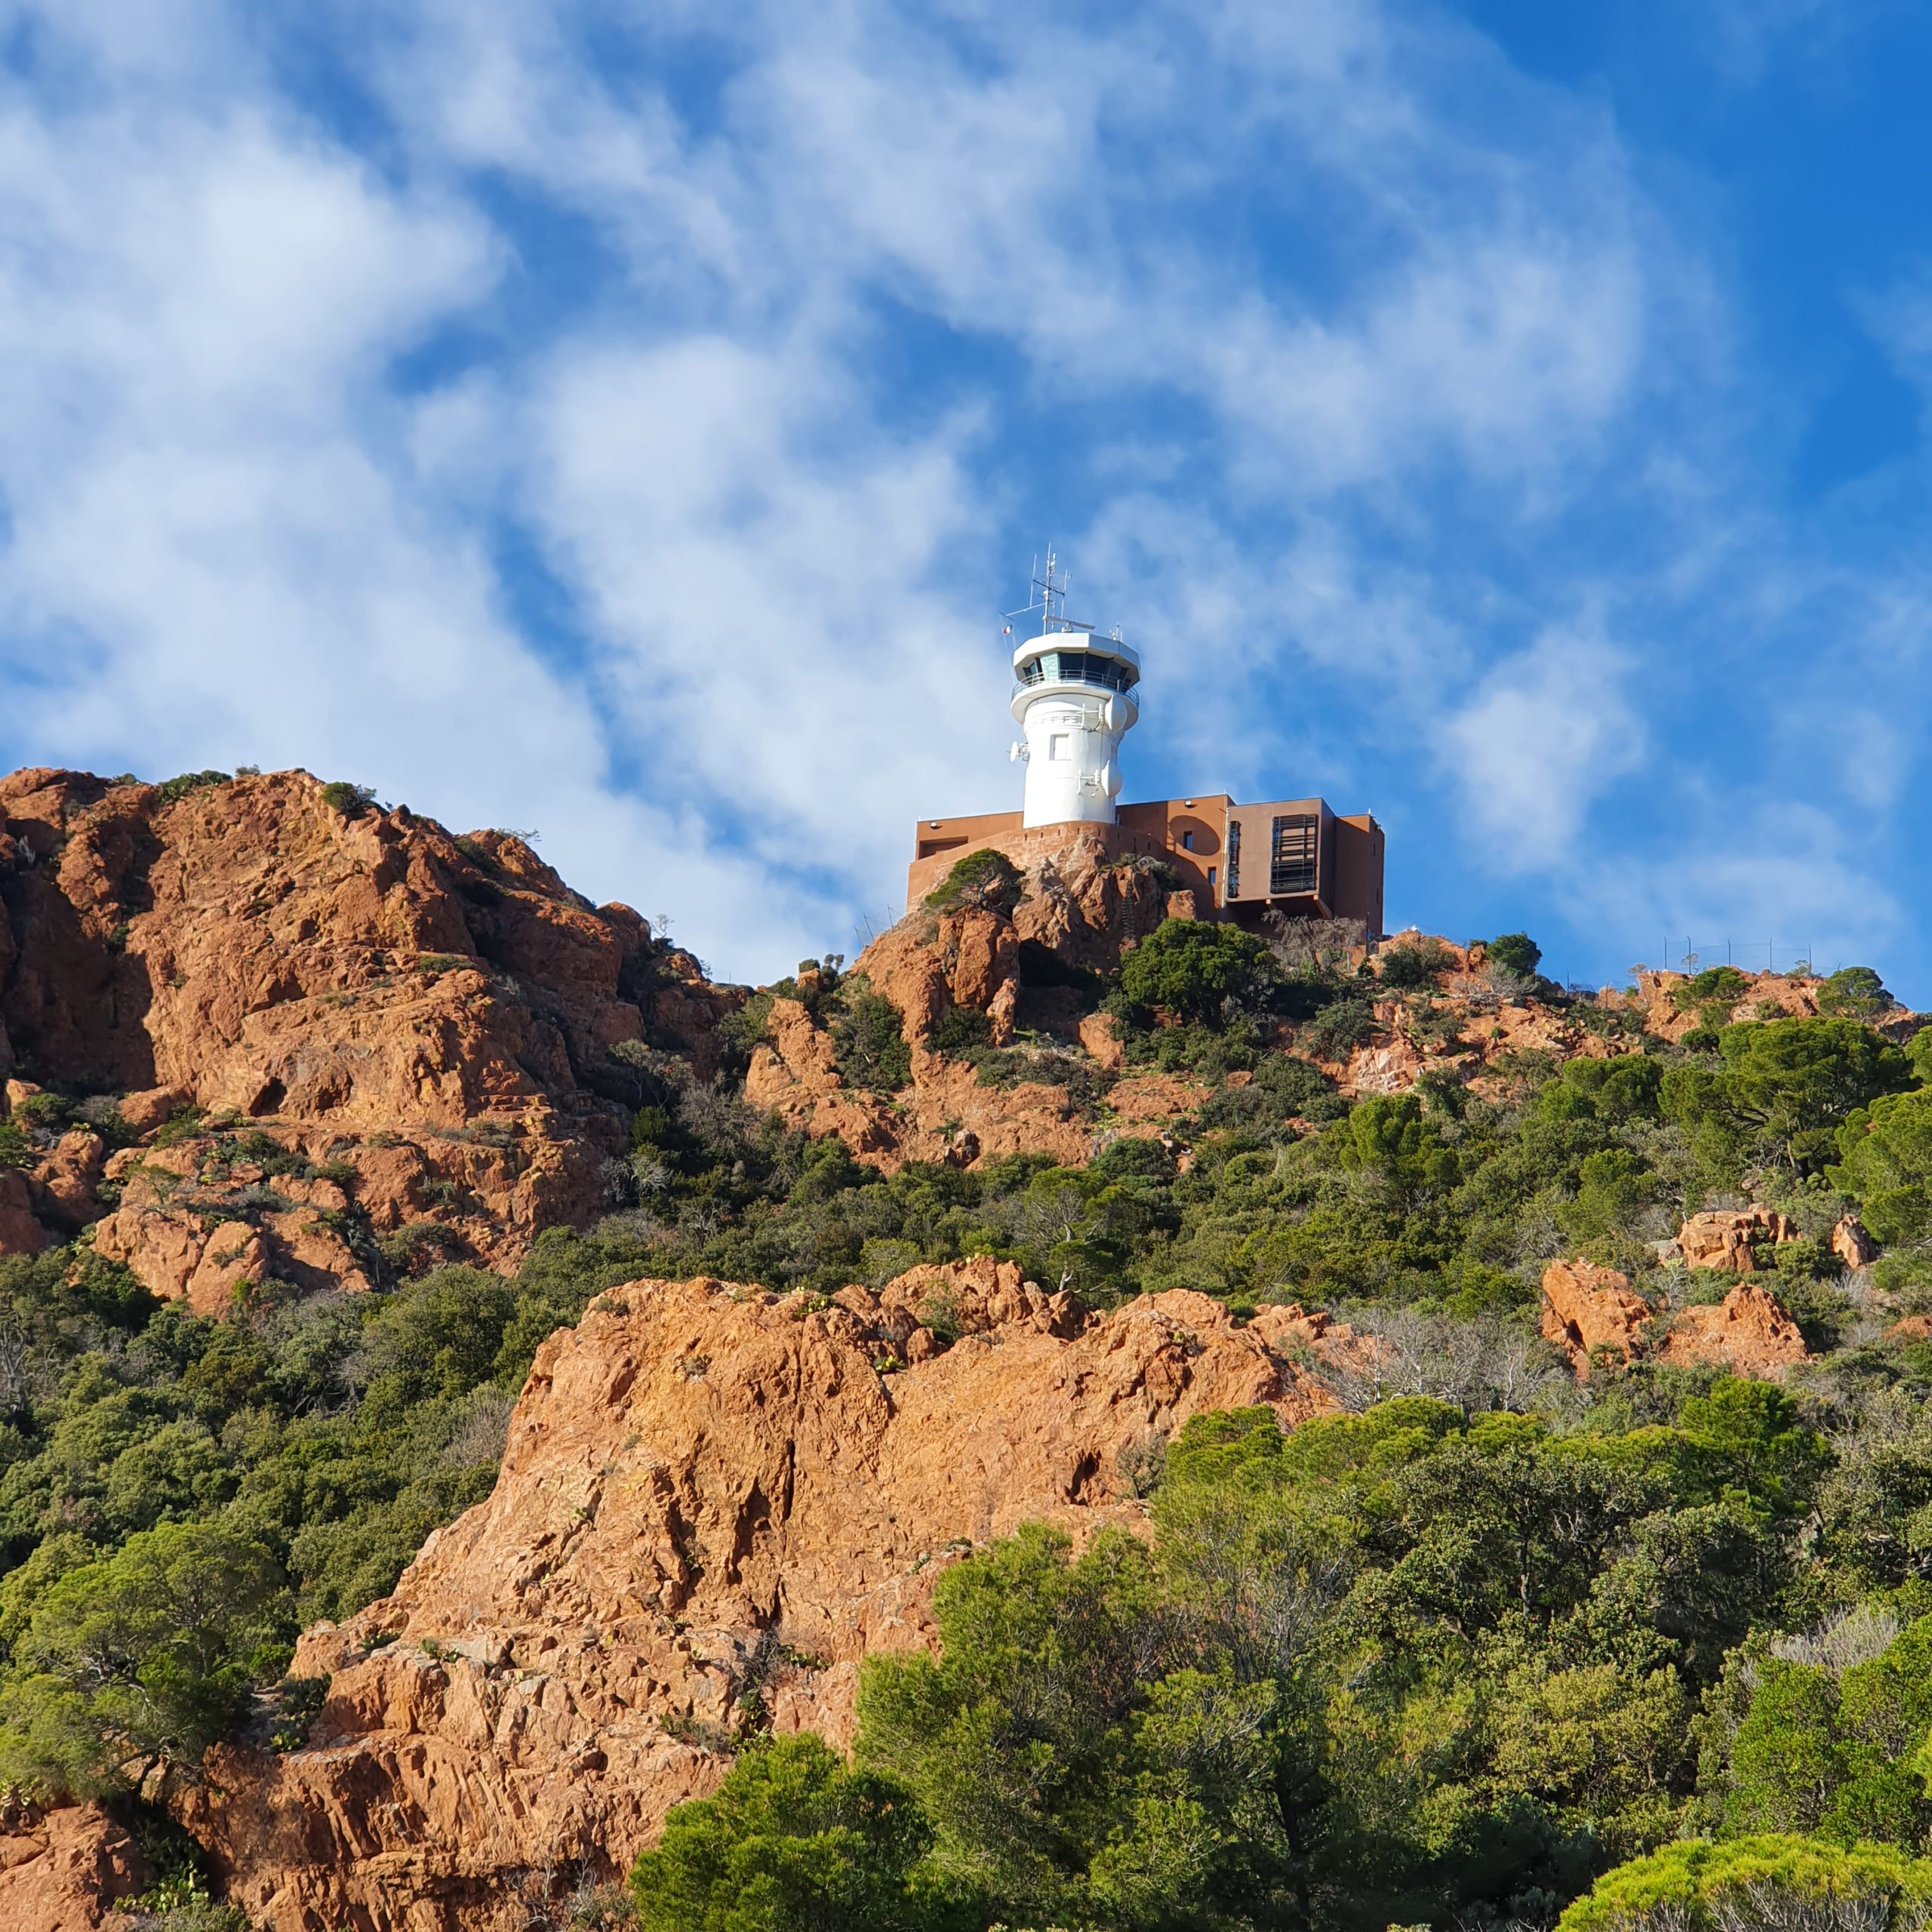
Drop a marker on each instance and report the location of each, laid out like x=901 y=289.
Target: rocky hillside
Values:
x=257 y=1031
x=714 y=1502
x=500 y=1380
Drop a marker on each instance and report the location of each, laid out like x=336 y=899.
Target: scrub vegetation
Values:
x=1486 y=1648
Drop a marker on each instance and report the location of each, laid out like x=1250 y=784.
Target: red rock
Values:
x=1724 y=1237
x=155 y=1107
x=692 y=1466
x=1101 y=1039
x=66 y=1869
x=1853 y=1244
x=1749 y=1332
x=66 y=1177
x=247 y=948
x=20 y=1230
x=1585 y=1308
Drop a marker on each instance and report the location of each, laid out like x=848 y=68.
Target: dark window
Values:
x=1080 y=667
x=1297 y=844
x=1187 y=841
x=1234 y=858
x=1210 y=879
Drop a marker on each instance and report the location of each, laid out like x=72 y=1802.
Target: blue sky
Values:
x=628 y=423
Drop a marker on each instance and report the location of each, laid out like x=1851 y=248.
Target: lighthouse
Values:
x=1074 y=698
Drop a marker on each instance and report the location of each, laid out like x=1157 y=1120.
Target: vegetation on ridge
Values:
x=1481 y=1650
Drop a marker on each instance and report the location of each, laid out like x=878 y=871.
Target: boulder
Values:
x=20 y=1230
x=1728 y=1238
x=1852 y=1243
x=1750 y=1332
x=1585 y=1308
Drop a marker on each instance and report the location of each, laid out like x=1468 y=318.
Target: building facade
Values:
x=1292 y=856
x=1076 y=695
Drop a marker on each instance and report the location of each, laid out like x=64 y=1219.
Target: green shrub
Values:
x=1414 y=964
x=1515 y=953
x=986 y=878
x=349 y=801
x=1194 y=968
x=1720 y=986
x=1338 y=1030
x=868 y=1041
x=960 y=1031
x=136 y=1663
x=15 y=1150
x=172 y=789
x=793 y=1841
x=1885 y=1159
x=1855 y=992
x=1767 y=1881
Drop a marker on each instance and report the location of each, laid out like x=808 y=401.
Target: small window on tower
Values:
x=1057 y=746
x=1187 y=841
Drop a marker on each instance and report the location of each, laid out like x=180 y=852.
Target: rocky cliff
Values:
x=279 y=1030
x=713 y=1502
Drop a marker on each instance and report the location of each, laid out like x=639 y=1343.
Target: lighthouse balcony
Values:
x=1081 y=670
x=1075 y=667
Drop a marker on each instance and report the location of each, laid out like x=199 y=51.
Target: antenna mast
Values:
x=1052 y=617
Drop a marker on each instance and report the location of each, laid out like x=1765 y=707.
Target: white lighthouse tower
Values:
x=1074 y=697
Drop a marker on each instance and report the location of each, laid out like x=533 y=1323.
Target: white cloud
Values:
x=755 y=565
x=1539 y=740
x=765 y=365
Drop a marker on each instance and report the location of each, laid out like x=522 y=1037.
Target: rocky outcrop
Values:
x=1075 y=903
x=920 y=1311
x=1587 y=1308
x=793 y=1074
x=1750 y=1332
x=713 y=1502
x=1852 y=1243
x=69 y=1868
x=414 y=1030
x=1730 y=1238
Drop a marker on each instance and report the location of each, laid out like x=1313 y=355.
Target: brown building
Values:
x=1292 y=855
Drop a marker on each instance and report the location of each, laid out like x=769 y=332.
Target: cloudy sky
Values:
x=629 y=422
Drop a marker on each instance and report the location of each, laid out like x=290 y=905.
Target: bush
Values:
x=961 y=1032
x=172 y=789
x=350 y=801
x=1414 y=964
x=791 y=1841
x=1855 y=992
x=1515 y=953
x=1885 y=1159
x=1720 y=987
x=868 y=1042
x=986 y=878
x=1194 y=968
x=1768 y=1881
x=138 y=1663
x=1338 y=1030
